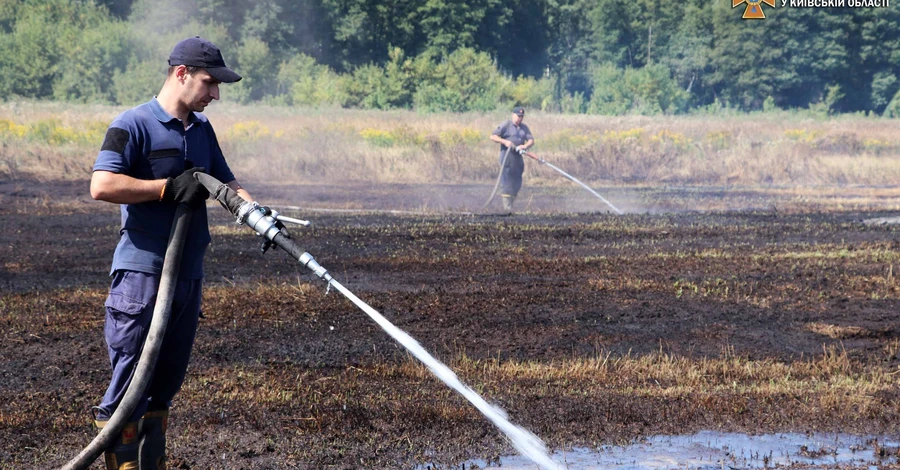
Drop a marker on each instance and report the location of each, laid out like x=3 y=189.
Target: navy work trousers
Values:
x=129 y=309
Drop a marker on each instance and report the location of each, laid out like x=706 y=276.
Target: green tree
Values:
x=40 y=42
x=689 y=50
x=569 y=47
x=448 y=25
x=634 y=32
x=647 y=90
x=874 y=58
x=362 y=31
x=85 y=73
x=119 y=9
x=745 y=69
x=303 y=82
x=466 y=80
x=884 y=87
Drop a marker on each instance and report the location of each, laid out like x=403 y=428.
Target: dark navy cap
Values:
x=198 y=52
x=518 y=110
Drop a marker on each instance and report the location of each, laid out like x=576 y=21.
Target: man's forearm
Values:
x=123 y=189
x=501 y=140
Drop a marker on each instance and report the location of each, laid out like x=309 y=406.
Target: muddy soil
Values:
x=287 y=375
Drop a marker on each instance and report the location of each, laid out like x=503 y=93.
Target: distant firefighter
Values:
x=512 y=134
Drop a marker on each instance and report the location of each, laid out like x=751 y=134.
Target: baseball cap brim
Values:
x=224 y=74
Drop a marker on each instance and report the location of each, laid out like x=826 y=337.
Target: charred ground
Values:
x=286 y=375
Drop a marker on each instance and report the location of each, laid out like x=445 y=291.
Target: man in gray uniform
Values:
x=515 y=136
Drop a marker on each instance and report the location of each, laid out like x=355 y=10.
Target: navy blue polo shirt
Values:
x=148 y=143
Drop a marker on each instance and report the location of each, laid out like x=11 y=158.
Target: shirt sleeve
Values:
x=117 y=152
x=219 y=168
x=500 y=130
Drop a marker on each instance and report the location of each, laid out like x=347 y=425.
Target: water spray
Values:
x=573 y=179
x=266 y=225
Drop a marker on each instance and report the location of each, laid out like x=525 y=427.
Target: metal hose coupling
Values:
x=317 y=269
x=252 y=215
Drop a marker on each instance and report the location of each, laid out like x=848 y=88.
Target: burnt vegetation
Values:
x=587 y=328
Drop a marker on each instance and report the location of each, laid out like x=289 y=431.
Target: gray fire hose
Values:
x=574 y=180
x=499 y=178
x=143 y=371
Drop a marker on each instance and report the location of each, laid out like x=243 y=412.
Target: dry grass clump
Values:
x=837 y=331
x=727 y=385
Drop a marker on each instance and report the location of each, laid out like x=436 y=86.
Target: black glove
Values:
x=185 y=189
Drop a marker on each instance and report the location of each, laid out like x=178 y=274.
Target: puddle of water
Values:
x=708 y=450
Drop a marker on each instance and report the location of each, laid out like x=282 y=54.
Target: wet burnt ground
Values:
x=287 y=375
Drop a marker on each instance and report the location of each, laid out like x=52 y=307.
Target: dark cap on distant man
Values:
x=519 y=111
x=198 y=52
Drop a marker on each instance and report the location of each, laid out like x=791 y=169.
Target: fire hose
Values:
x=572 y=179
x=266 y=224
x=143 y=371
x=499 y=178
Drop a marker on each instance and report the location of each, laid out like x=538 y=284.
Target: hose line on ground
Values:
x=143 y=371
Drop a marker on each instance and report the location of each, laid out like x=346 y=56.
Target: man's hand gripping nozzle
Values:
x=266 y=222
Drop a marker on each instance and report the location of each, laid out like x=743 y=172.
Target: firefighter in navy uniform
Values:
x=512 y=135
x=147 y=165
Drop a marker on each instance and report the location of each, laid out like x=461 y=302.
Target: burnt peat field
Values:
x=588 y=328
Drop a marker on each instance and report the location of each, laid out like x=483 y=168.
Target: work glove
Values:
x=185 y=189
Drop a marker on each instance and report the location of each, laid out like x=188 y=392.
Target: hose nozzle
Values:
x=307 y=260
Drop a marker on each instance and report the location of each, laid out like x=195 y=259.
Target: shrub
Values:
x=465 y=81
x=256 y=63
x=527 y=91
x=95 y=56
x=649 y=90
x=138 y=82
x=374 y=87
x=893 y=108
x=300 y=81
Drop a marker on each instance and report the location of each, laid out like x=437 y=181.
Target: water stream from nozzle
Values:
x=528 y=444
x=248 y=214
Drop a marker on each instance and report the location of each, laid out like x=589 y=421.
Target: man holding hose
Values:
x=147 y=164
x=515 y=139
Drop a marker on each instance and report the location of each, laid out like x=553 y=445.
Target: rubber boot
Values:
x=153 y=440
x=123 y=453
x=508 y=202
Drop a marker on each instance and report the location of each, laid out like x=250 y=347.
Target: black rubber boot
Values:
x=123 y=453
x=153 y=440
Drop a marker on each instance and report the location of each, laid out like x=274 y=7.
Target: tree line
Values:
x=576 y=56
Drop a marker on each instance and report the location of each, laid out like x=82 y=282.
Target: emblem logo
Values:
x=754 y=8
